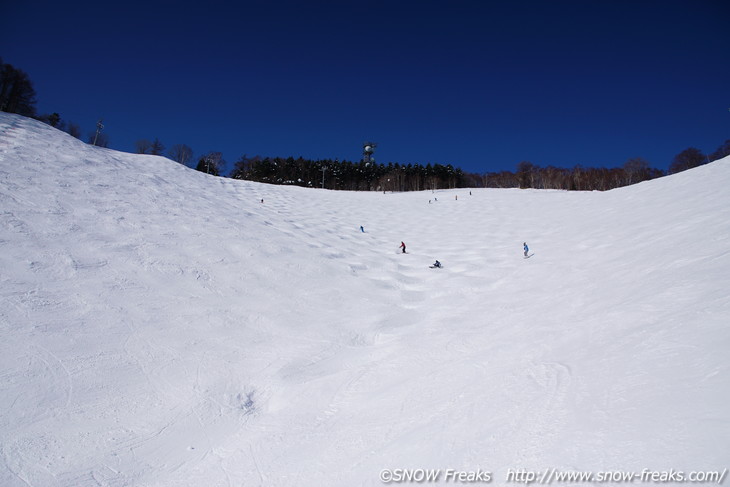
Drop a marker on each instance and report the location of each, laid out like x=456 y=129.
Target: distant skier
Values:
x=403 y=246
x=527 y=249
x=436 y=264
x=362 y=229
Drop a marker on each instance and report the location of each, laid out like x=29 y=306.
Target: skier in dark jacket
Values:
x=403 y=246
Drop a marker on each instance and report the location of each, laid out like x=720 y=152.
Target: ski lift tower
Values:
x=99 y=128
x=367 y=152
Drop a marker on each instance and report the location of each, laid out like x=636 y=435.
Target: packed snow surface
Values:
x=163 y=327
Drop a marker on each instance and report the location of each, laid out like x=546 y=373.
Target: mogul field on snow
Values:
x=159 y=326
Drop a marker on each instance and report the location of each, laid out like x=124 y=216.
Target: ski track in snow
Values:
x=161 y=327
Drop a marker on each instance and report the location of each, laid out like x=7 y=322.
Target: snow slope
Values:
x=162 y=327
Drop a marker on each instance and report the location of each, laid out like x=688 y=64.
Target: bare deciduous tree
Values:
x=687 y=159
x=74 y=130
x=181 y=153
x=143 y=146
x=636 y=169
x=722 y=151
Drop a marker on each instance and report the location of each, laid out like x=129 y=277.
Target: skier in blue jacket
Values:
x=526 y=248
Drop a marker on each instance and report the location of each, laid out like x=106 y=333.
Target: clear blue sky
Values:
x=479 y=84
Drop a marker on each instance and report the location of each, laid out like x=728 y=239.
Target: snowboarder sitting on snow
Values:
x=526 y=248
x=437 y=264
x=403 y=246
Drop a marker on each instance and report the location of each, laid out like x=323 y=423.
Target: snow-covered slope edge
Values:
x=162 y=327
